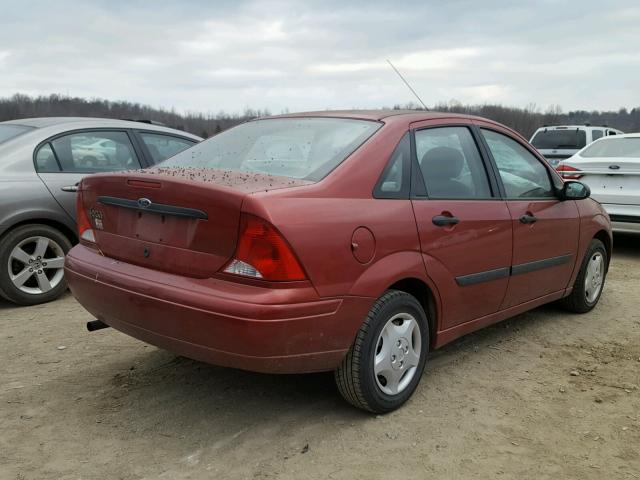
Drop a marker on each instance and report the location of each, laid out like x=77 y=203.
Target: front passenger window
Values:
x=522 y=174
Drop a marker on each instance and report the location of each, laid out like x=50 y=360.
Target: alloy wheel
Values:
x=36 y=265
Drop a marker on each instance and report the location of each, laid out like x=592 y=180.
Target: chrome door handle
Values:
x=70 y=188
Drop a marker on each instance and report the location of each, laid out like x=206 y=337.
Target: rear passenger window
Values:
x=162 y=147
x=394 y=182
x=523 y=175
x=46 y=160
x=451 y=164
x=596 y=134
x=88 y=152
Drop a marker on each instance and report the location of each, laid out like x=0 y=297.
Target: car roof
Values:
x=92 y=122
x=577 y=127
x=380 y=114
x=41 y=122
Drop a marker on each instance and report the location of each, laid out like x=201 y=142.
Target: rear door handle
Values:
x=528 y=218
x=444 y=220
x=70 y=188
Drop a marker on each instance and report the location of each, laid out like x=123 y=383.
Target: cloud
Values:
x=276 y=54
x=420 y=61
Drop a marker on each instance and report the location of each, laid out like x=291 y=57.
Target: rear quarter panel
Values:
x=319 y=221
x=320 y=231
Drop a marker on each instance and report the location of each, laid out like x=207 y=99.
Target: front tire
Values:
x=385 y=363
x=31 y=264
x=589 y=283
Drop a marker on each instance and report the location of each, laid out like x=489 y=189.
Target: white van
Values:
x=562 y=141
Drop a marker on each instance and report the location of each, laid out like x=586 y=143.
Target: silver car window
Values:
x=95 y=151
x=8 y=131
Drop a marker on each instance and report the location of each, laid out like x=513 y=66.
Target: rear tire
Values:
x=31 y=262
x=385 y=363
x=589 y=283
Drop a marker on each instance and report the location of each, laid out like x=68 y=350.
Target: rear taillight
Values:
x=85 y=230
x=263 y=253
x=567 y=171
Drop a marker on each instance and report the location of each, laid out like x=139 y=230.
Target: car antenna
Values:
x=407 y=84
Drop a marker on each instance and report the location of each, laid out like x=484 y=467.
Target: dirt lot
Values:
x=545 y=395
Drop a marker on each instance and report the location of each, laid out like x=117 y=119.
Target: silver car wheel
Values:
x=594 y=277
x=397 y=353
x=36 y=265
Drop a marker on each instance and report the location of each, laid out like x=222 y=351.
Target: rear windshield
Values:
x=8 y=131
x=613 y=147
x=557 y=139
x=305 y=148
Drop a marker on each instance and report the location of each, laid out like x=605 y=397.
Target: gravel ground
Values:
x=544 y=395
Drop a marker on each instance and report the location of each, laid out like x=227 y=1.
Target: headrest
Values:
x=442 y=162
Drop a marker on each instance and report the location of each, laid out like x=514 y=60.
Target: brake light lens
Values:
x=263 y=253
x=566 y=171
x=85 y=231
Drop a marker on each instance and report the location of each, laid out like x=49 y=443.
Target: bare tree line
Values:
x=524 y=120
x=527 y=120
x=24 y=106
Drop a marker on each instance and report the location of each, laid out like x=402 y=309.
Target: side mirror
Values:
x=573 y=190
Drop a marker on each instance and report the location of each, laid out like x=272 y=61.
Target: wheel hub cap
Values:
x=594 y=277
x=400 y=349
x=397 y=353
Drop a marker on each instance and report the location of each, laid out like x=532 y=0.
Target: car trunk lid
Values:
x=611 y=180
x=179 y=220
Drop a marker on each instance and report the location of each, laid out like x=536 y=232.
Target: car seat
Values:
x=441 y=166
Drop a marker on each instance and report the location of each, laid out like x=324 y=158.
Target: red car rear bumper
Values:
x=279 y=330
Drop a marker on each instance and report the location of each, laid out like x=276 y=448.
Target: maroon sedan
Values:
x=347 y=241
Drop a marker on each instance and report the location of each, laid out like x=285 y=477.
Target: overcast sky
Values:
x=214 y=55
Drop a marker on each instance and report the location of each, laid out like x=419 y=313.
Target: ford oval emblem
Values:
x=614 y=167
x=144 y=202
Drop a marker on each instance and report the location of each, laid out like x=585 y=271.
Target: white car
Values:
x=560 y=142
x=611 y=168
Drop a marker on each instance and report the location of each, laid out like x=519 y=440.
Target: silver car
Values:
x=611 y=168
x=41 y=162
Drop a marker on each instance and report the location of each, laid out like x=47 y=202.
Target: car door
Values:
x=62 y=161
x=463 y=225
x=545 y=229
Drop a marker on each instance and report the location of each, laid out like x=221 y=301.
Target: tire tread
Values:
x=576 y=301
x=348 y=374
